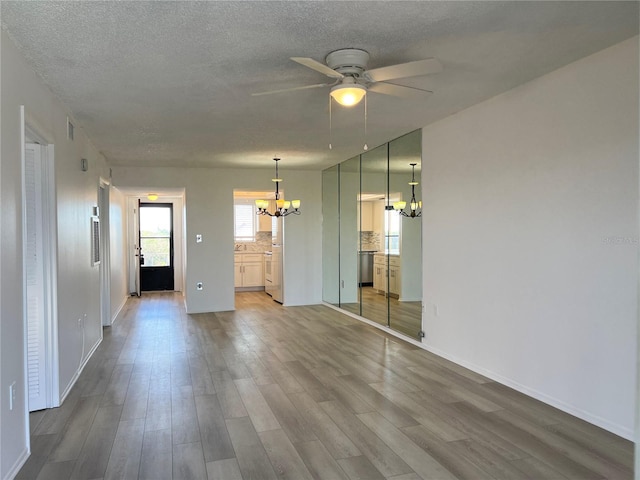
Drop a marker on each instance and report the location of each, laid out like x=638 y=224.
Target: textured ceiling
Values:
x=169 y=83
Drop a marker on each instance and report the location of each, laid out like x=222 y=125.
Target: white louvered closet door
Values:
x=34 y=278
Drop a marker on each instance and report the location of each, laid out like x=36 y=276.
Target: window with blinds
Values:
x=245 y=219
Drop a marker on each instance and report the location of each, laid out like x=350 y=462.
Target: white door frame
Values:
x=179 y=254
x=28 y=133
x=105 y=251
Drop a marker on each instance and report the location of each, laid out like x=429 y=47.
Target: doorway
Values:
x=156 y=246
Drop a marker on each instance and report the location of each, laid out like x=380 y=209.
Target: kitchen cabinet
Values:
x=248 y=270
x=380 y=273
x=366 y=216
x=386 y=269
x=394 y=275
x=377 y=218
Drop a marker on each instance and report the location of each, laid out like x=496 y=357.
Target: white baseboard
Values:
x=619 y=430
x=543 y=397
x=22 y=459
x=114 y=317
x=75 y=377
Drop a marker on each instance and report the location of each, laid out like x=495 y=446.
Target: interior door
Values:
x=34 y=279
x=136 y=228
x=156 y=246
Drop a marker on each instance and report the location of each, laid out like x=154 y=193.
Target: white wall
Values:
x=531 y=237
x=349 y=235
x=209 y=212
x=118 y=251
x=78 y=281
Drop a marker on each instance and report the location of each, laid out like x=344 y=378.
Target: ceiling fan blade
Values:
x=282 y=90
x=317 y=66
x=398 y=90
x=403 y=70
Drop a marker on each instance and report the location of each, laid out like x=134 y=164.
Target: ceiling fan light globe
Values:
x=348 y=95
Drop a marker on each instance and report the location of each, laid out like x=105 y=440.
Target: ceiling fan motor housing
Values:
x=348 y=61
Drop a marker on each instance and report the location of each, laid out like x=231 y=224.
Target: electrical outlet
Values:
x=198 y=238
x=199 y=286
x=12 y=395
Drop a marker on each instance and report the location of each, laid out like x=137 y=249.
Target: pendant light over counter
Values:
x=283 y=207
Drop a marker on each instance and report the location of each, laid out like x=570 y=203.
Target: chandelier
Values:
x=413 y=204
x=283 y=207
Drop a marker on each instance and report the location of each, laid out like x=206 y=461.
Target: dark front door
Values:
x=156 y=246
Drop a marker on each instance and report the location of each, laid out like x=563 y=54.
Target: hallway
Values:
x=297 y=393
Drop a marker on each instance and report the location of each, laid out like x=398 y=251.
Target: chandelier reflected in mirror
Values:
x=283 y=207
x=415 y=207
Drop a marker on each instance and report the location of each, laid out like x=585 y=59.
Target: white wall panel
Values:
x=78 y=282
x=531 y=237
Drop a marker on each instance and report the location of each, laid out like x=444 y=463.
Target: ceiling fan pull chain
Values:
x=366 y=147
x=330 y=122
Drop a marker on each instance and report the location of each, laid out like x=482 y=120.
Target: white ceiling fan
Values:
x=348 y=67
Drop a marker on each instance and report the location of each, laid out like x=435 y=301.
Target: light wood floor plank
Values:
x=285 y=459
x=320 y=462
x=213 y=430
x=124 y=461
x=259 y=411
x=360 y=468
x=420 y=461
x=333 y=438
x=94 y=456
x=224 y=470
x=188 y=462
x=294 y=423
x=76 y=430
x=377 y=451
x=228 y=396
x=252 y=457
x=156 y=461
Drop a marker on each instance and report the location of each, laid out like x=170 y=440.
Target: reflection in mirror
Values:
x=330 y=236
x=349 y=190
x=373 y=269
x=372 y=255
x=405 y=262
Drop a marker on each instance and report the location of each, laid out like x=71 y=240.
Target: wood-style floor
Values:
x=269 y=392
x=404 y=317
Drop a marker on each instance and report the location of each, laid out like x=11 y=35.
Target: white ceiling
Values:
x=169 y=83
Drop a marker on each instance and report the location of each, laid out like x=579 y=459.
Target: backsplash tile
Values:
x=370 y=241
x=262 y=243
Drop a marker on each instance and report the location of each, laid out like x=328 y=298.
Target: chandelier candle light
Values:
x=413 y=204
x=282 y=206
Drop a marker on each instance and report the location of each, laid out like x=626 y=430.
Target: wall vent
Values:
x=95 y=241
